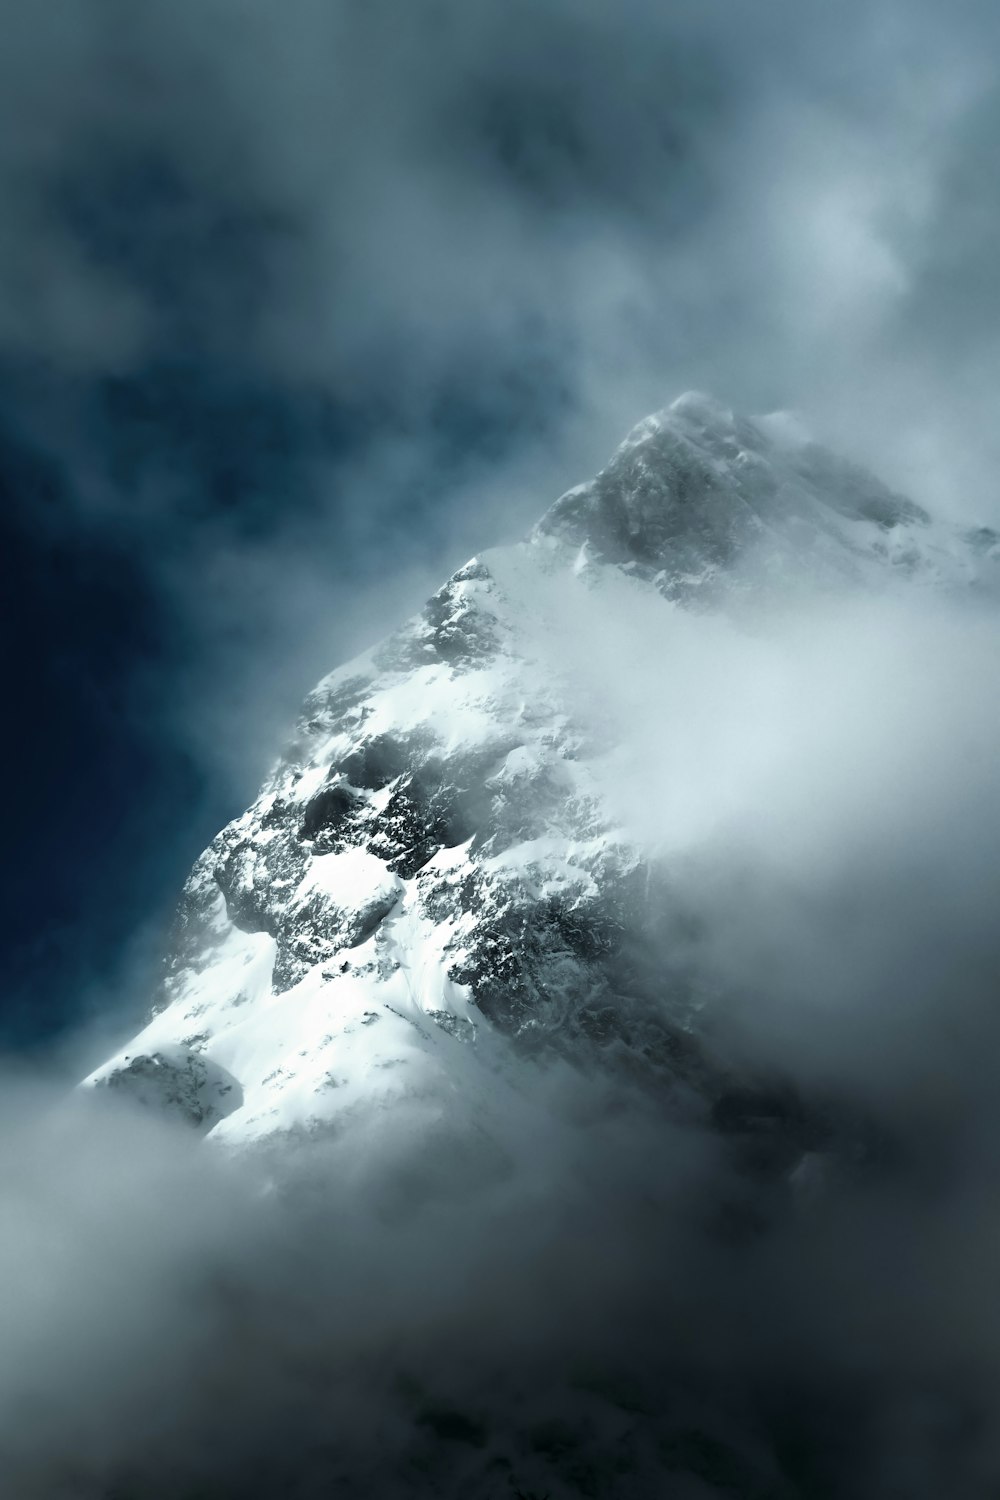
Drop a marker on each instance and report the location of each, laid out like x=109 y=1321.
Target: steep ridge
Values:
x=434 y=871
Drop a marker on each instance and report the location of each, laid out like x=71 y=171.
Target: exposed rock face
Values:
x=180 y=1084
x=433 y=863
x=705 y=504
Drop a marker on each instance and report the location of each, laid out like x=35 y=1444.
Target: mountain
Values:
x=441 y=871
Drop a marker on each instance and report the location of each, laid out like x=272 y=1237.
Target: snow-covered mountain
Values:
x=438 y=870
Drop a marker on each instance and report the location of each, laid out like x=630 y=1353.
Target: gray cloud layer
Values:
x=759 y=200
x=488 y=238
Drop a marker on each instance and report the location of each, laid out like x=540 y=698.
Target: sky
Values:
x=301 y=307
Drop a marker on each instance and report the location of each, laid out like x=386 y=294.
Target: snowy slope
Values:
x=436 y=866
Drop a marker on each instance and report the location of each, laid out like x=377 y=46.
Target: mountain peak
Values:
x=709 y=501
x=435 y=867
x=699 y=406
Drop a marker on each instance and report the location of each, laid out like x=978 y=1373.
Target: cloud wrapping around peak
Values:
x=307 y=304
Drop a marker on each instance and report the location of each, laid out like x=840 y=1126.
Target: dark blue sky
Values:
x=301 y=305
x=106 y=656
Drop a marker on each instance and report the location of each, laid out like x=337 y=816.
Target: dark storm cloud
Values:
x=310 y=282
x=382 y=200
x=499 y=232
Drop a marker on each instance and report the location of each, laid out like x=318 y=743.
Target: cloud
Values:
x=779 y=1280
x=335 y=296
x=387 y=203
x=284 y=272
x=597 y=1292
